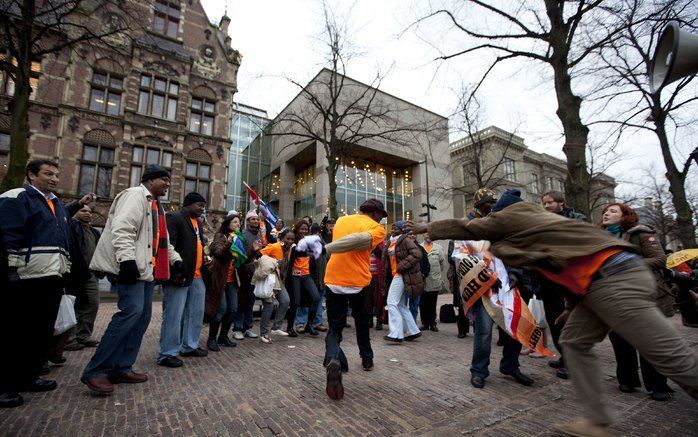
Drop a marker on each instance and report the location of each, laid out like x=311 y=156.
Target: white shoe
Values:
x=279 y=332
x=251 y=334
x=265 y=339
x=237 y=335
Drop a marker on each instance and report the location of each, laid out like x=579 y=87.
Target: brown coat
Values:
x=644 y=238
x=220 y=252
x=409 y=258
x=526 y=235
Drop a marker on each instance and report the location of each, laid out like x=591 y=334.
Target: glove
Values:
x=128 y=272
x=178 y=268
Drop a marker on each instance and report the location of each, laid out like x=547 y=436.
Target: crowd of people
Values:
x=593 y=280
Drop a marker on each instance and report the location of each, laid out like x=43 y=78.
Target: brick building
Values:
x=164 y=97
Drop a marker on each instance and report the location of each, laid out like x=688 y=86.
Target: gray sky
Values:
x=281 y=38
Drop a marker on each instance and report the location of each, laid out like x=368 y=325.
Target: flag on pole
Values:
x=269 y=215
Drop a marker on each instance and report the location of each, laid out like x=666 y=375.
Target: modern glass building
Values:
x=247 y=123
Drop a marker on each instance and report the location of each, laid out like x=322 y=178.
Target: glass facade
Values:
x=357 y=181
x=247 y=123
x=255 y=167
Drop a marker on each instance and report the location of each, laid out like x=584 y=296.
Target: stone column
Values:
x=287 y=178
x=322 y=184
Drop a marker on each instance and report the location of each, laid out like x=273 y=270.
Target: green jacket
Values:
x=526 y=235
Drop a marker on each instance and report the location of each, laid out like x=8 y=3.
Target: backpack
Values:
x=424 y=265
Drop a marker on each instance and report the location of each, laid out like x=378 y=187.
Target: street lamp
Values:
x=428 y=204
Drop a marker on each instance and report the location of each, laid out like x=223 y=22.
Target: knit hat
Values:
x=482 y=196
x=193 y=197
x=251 y=214
x=400 y=224
x=373 y=205
x=510 y=197
x=231 y=213
x=153 y=171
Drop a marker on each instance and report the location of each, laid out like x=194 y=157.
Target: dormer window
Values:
x=167 y=16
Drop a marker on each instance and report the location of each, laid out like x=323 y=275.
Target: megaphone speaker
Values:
x=675 y=57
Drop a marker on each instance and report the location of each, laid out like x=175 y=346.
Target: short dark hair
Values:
x=34 y=166
x=557 y=196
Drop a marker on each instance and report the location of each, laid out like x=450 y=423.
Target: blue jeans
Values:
x=228 y=303
x=302 y=313
x=182 y=317
x=399 y=315
x=482 y=346
x=414 y=306
x=242 y=318
x=119 y=346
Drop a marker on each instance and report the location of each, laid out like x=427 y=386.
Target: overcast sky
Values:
x=281 y=38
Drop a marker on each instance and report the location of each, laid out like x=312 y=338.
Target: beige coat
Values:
x=128 y=235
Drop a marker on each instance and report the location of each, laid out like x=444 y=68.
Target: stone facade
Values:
x=164 y=97
x=502 y=160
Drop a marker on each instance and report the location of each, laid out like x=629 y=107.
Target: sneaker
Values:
x=279 y=332
x=536 y=355
x=237 y=335
x=582 y=427
x=170 y=362
x=212 y=345
x=300 y=329
x=265 y=339
x=250 y=333
x=334 y=388
x=321 y=328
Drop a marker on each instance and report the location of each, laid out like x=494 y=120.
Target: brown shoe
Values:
x=99 y=384
x=321 y=328
x=582 y=428
x=128 y=378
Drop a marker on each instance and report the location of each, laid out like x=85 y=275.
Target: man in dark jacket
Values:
x=615 y=290
x=550 y=292
x=35 y=230
x=84 y=285
x=184 y=295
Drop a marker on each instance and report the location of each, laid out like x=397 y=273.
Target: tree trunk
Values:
x=19 y=106
x=684 y=215
x=332 y=200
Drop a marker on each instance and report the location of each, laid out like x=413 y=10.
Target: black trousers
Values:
x=337 y=306
x=554 y=305
x=626 y=367
x=28 y=310
x=427 y=307
x=462 y=321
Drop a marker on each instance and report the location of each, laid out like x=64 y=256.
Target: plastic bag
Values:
x=66 y=315
x=538 y=311
x=264 y=289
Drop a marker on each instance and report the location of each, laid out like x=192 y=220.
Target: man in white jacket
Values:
x=134 y=251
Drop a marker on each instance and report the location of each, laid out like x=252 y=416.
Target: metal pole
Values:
x=426 y=174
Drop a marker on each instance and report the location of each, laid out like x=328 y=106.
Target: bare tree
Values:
x=32 y=30
x=559 y=34
x=339 y=113
x=624 y=82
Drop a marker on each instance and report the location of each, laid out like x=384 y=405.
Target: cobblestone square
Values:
x=417 y=389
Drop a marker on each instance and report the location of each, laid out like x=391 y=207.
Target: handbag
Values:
x=537 y=309
x=447 y=314
x=65 y=319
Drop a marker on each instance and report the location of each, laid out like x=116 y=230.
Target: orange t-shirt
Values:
x=391 y=255
x=273 y=250
x=199 y=249
x=301 y=266
x=353 y=269
x=578 y=274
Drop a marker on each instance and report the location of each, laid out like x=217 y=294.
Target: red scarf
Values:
x=161 y=262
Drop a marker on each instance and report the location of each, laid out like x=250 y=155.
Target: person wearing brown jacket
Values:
x=403 y=279
x=622 y=221
x=614 y=288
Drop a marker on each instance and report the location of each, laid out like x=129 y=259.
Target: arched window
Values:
x=197 y=173
x=96 y=163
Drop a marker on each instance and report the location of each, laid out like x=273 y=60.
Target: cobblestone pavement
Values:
x=416 y=389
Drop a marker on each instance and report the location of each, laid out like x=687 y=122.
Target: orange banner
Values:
x=476 y=279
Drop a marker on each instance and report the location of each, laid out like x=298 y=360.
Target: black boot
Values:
x=223 y=338
x=212 y=344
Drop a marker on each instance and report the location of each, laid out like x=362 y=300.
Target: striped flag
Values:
x=269 y=215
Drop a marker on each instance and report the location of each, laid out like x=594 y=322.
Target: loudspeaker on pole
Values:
x=675 y=57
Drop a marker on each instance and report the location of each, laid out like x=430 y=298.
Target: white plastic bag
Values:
x=264 y=289
x=538 y=311
x=66 y=315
